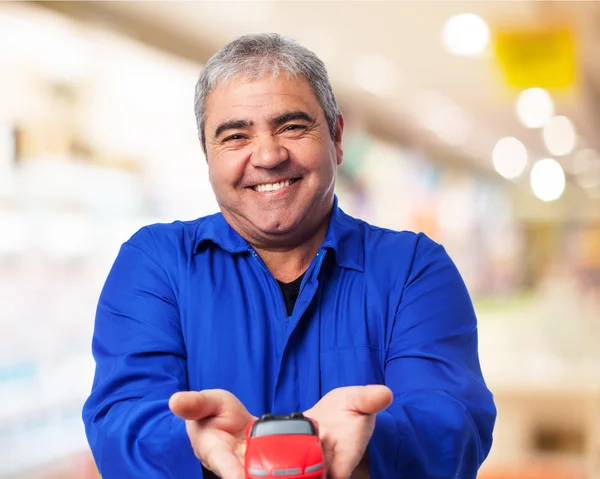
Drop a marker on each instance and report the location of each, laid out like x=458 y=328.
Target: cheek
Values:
x=213 y=175
x=225 y=171
x=314 y=156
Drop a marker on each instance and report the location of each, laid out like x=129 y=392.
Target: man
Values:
x=283 y=303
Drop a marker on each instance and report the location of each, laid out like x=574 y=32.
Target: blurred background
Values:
x=475 y=122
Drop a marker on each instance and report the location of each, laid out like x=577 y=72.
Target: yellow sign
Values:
x=543 y=57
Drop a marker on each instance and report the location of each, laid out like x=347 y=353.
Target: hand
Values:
x=215 y=423
x=346 y=418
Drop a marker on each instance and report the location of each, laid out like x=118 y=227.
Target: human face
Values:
x=271 y=158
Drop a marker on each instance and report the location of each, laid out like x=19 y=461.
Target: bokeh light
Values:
x=465 y=34
x=547 y=179
x=509 y=157
x=535 y=107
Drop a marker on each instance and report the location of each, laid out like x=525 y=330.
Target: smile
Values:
x=273 y=186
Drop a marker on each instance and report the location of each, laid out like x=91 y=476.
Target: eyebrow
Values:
x=232 y=125
x=290 y=116
x=274 y=122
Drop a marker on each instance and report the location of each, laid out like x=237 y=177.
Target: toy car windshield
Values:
x=272 y=427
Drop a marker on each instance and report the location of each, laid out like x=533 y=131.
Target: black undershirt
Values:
x=290 y=293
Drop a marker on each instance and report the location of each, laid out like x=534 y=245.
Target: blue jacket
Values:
x=191 y=306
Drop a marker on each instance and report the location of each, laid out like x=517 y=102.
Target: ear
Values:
x=337 y=139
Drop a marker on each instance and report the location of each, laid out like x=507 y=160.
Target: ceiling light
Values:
x=559 y=136
x=535 y=107
x=465 y=34
x=547 y=179
x=509 y=157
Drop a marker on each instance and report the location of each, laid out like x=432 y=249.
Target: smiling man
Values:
x=272 y=164
x=281 y=303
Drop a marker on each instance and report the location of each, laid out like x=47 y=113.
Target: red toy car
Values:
x=284 y=446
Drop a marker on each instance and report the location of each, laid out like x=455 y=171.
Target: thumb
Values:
x=369 y=399
x=196 y=405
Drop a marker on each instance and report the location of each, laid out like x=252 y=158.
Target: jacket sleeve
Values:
x=140 y=362
x=441 y=420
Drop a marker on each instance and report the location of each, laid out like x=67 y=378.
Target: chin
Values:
x=278 y=227
x=276 y=230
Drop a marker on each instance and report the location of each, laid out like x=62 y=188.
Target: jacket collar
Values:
x=344 y=237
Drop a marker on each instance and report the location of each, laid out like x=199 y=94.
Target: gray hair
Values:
x=254 y=56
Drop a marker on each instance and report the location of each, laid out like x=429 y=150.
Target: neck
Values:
x=287 y=264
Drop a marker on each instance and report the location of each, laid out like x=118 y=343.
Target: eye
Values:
x=233 y=138
x=293 y=128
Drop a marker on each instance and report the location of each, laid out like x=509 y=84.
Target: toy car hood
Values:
x=282 y=452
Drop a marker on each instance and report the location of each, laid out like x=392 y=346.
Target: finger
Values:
x=328 y=455
x=343 y=457
x=196 y=405
x=369 y=399
x=223 y=461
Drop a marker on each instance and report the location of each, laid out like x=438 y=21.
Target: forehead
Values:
x=265 y=96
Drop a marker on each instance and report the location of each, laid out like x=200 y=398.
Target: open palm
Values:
x=346 y=418
x=215 y=422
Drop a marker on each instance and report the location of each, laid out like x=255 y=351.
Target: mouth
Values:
x=268 y=187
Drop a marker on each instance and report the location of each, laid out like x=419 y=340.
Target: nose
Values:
x=269 y=153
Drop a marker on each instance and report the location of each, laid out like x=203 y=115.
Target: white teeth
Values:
x=272 y=186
